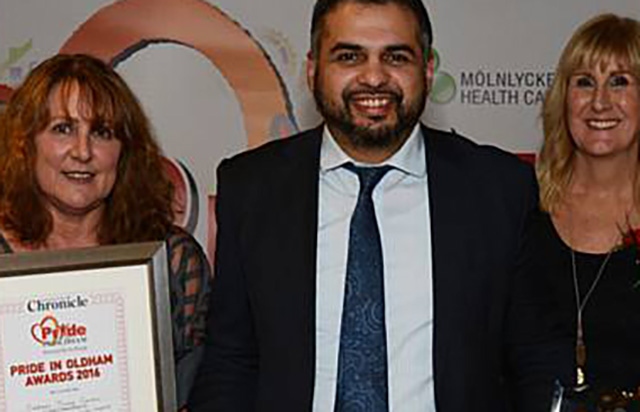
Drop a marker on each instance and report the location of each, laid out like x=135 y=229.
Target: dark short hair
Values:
x=324 y=7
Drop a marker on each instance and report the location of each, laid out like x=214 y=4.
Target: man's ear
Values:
x=429 y=68
x=311 y=71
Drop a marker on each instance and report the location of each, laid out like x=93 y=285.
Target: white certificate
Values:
x=86 y=330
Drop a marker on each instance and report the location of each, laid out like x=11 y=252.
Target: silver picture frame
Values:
x=115 y=351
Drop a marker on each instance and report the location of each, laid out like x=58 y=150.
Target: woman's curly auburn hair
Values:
x=602 y=39
x=139 y=206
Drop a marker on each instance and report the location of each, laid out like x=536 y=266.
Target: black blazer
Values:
x=489 y=343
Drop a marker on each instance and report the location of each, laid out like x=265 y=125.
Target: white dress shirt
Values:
x=401 y=201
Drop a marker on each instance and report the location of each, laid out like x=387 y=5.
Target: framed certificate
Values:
x=86 y=330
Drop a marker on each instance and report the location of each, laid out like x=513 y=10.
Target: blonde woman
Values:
x=588 y=175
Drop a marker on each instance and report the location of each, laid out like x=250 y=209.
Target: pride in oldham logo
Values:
x=444 y=85
x=50 y=332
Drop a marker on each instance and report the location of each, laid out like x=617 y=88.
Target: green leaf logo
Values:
x=15 y=54
x=444 y=86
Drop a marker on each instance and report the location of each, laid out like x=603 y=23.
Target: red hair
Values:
x=139 y=206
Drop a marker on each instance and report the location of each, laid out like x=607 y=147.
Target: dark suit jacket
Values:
x=489 y=345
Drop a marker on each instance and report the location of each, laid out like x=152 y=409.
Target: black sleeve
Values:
x=535 y=344
x=228 y=373
x=190 y=281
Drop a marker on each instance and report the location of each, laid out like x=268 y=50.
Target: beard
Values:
x=339 y=116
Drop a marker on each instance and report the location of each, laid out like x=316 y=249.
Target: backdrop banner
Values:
x=219 y=76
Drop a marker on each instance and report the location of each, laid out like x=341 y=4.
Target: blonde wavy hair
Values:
x=604 y=38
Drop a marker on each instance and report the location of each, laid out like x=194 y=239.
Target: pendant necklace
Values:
x=581 y=349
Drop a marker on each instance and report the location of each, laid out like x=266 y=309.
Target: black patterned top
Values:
x=189 y=273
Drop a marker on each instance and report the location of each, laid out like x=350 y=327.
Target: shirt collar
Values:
x=411 y=158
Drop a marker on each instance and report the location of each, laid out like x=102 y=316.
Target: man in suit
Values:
x=421 y=302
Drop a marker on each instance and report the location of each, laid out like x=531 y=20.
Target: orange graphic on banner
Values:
x=119 y=30
x=5 y=93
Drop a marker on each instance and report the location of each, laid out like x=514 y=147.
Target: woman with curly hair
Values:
x=79 y=168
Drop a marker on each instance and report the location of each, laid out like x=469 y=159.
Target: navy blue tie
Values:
x=362 y=359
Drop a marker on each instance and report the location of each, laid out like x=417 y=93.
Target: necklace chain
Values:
x=581 y=352
x=581 y=303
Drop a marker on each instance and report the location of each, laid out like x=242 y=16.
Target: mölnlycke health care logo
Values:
x=490 y=86
x=497 y=87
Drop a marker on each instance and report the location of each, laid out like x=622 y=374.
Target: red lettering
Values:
x=58 y=377
x=27 y=368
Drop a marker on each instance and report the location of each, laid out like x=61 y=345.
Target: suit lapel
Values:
x=295 y=246
x=446 y=203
